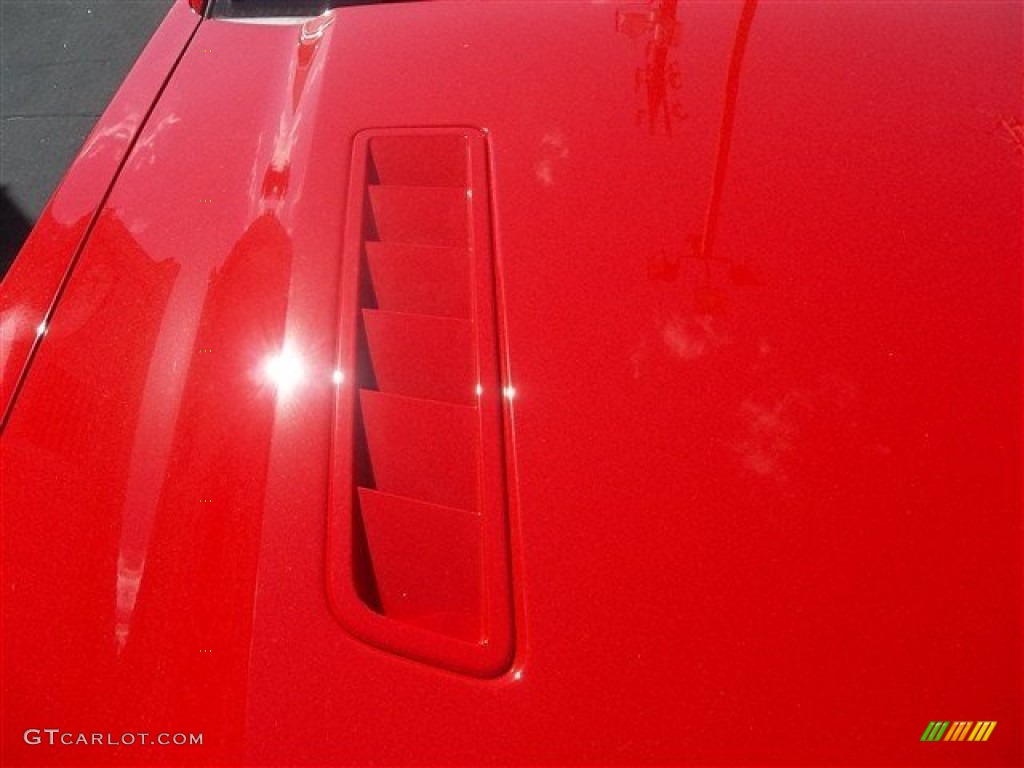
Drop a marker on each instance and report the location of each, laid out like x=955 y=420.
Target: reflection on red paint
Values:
x=737 y=464
x=660 y=76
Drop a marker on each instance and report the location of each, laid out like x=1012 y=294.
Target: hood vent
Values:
x=418 y=560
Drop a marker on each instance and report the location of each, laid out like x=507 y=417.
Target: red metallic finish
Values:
x=758 y=299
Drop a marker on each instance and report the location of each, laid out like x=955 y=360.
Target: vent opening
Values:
x=420 y=461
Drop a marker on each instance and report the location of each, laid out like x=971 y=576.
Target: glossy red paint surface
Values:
x=758 y=300
x=32 y=285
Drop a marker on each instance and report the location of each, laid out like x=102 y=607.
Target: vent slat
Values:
x=422 y=448
x=424 y=215
x=418 y=279
x=426 y=559
x=422 y=356
x=420 y=161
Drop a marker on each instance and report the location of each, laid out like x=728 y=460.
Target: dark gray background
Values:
x=60 y=63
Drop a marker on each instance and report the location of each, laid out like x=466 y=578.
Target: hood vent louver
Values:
x=418 y=559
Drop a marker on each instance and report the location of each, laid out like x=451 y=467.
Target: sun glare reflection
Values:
x=286 y=371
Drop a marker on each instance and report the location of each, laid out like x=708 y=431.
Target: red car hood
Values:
x=757 y=329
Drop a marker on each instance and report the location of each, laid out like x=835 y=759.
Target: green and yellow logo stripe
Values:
x=959 y=730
